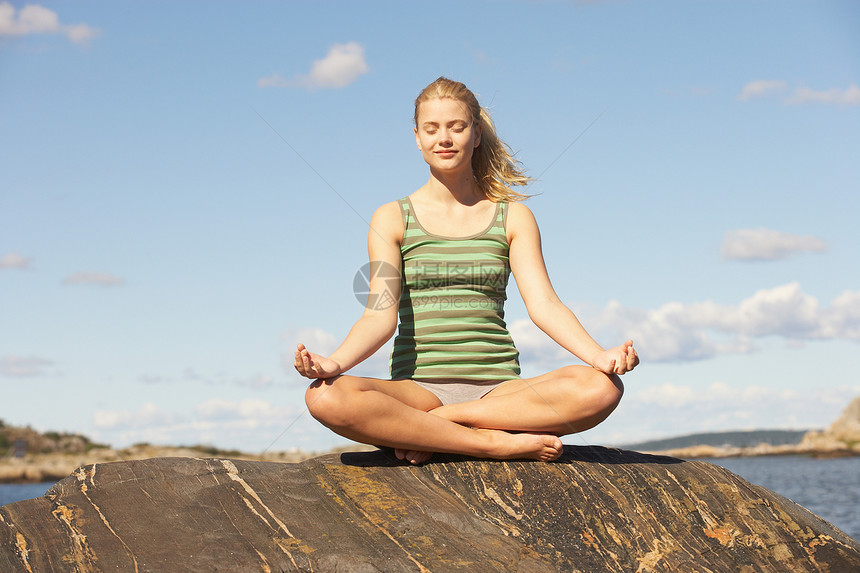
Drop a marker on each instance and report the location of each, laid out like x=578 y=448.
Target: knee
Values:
x=603 y=391
x=327 y=404
x=608 y=389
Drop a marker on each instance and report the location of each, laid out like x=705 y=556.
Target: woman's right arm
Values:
x=379 y=320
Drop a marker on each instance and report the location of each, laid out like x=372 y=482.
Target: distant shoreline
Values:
x=735 y=438
x=762 y=450
x=38 y=468
x=52 y=467
x=52 y=456
x=750 y=443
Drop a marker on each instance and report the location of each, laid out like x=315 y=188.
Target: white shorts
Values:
x=456 y=391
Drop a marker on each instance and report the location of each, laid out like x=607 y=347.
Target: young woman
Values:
x=455 y=384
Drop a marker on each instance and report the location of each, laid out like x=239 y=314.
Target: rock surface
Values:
x=595 y=509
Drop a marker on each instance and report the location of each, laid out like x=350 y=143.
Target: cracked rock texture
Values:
x=594 y=510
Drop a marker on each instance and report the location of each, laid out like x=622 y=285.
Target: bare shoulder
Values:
x=388 y=211
x=387 y=222
x=519 y=210
x=520 y=221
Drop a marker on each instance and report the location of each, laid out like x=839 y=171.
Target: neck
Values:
x=459 y=187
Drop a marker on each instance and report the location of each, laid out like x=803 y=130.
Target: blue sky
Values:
x=185 y=190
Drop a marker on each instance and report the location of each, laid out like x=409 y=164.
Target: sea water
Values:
x=10 y=493
x=829 y=488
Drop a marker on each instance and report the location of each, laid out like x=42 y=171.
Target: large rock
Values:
x=595 y=509
x=843 y=435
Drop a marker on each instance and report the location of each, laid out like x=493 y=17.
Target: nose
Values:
x=445 y=137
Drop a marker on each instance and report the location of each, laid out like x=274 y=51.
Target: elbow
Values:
x=389 y=332
x=384 y=324
x=389 y=324
x=539 y=314
x=539 y=320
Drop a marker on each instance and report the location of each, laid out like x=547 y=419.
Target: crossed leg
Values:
x=565 y=401
x=402 y=415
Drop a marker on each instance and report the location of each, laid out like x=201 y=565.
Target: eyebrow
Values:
x=453 y=122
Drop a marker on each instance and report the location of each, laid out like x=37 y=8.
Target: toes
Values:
x=418 y=458
x=414 y=457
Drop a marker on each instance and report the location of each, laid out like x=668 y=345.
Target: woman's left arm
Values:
x=543 y=304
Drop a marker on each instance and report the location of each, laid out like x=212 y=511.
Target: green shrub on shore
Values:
x=213 y=451
x=44 y=443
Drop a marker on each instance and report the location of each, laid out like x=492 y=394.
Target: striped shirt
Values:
x=451 y=310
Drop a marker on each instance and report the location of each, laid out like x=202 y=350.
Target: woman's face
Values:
x=446 y=134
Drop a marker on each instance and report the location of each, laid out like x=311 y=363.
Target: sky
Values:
x=185 y=190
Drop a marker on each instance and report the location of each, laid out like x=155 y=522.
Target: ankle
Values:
x=493 y=443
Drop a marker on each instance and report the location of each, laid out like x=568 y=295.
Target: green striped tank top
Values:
x=451 y=310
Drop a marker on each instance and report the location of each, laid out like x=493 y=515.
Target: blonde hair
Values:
x=493 y=164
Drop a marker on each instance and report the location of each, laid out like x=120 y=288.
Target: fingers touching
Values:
x=626 y=360
x=304 y=364
x=630 y=358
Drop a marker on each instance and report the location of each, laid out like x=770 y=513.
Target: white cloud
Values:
x=92 y=278
x=189 y=375
x=316 y=340
x=256 y=382
x=324 y=343
x=248 y=425
x=250 y=411
x=23 y=366
x=36 y=19
x=147 y=415
x=31 y=19
x=781 y=311
x=80 y=33
x=676 y=396
x=680 y=332
x=767 y=245
x=848 y=96
x=14 y=261
x=376 y=366
x=683 y=332
x=703 y=90
x=760 y=88
x=342 y=66
x=276 y=80
x=533 y=343
x=674 y=332
x=842 y=319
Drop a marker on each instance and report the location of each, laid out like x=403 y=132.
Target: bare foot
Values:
x=506 y=446
x=414 y=457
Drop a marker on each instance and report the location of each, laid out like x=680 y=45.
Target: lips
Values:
x=446 y=153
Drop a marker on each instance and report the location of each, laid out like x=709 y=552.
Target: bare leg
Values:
x=565 y=401
x=394 y=414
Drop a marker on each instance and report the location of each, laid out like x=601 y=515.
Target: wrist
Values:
x=592 y=360
x=338 y=365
